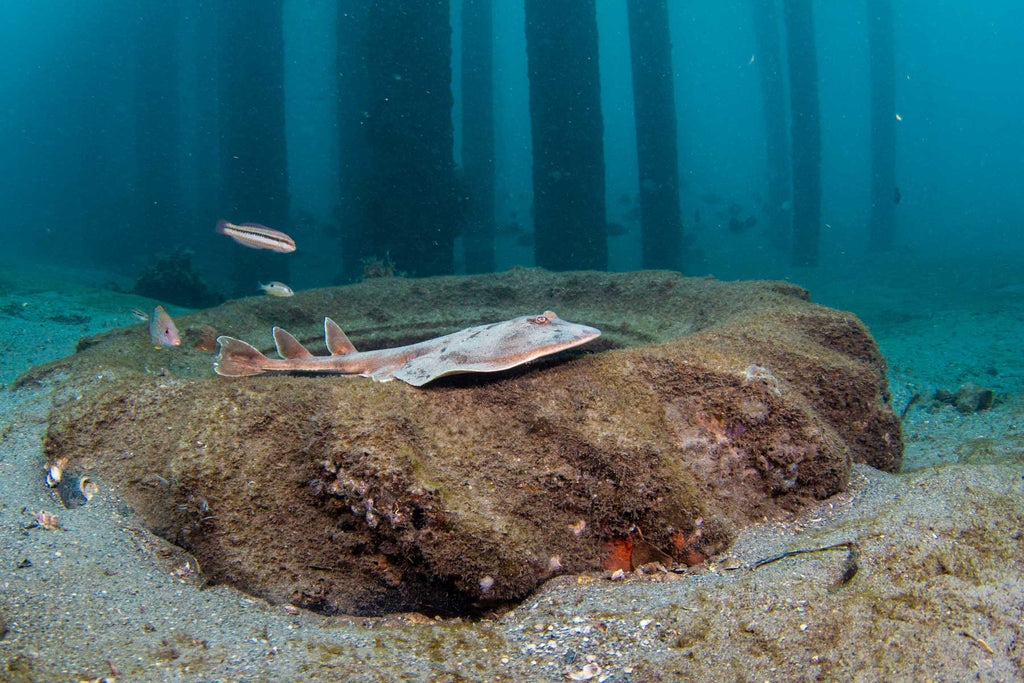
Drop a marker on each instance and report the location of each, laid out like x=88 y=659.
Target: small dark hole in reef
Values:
x=438 y=599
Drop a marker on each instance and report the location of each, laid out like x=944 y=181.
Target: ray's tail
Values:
x=238 y=359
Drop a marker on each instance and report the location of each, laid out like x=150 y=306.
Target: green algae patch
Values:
x=703 y=407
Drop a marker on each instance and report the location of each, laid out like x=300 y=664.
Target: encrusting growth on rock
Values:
x=703 y=407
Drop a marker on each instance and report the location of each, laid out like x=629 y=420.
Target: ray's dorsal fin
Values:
x=288 y=347
x=337 y=341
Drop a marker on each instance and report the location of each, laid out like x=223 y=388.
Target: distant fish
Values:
x=162 y=330
x=616 y=229
x=276 y=288
x=897 y=195
x=257 y=236
x=736 y=225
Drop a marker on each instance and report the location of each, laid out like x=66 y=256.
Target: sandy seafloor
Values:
x=938 y=594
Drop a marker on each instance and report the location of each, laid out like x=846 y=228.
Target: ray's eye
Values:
x=539 y=320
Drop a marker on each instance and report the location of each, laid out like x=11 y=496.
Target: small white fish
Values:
x=276 y=288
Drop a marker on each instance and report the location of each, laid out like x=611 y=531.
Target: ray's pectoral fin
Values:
x=385 y=373
x=337 y=341
x=419 y=373
x=238 y=359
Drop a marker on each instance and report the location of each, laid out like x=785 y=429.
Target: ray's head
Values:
x=539 y=335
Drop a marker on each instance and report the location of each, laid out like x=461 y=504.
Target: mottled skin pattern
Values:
x=485 y=348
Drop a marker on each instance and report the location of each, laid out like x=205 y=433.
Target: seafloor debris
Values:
x=55 y=471
x=75 y=491
x=730 y=563
x=44 y=519
x=588 y=672
x=913 y=401
x=969 y=398
x=850 y=565
x=979 y=642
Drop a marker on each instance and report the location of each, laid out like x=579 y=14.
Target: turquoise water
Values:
x=115 y=141
x=125 y=136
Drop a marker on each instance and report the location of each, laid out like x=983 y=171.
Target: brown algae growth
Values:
x=705 y=406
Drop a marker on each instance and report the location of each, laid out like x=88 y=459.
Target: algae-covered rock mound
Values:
x=705 y=405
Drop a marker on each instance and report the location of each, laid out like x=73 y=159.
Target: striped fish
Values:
x=257 y=236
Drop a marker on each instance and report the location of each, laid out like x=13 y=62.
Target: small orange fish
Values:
x=162 y=330
x=257 y=236
x=276 y=288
